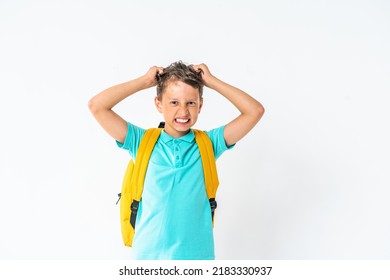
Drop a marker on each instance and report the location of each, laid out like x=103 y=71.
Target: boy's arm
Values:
x=251 y=110
x=101 y=104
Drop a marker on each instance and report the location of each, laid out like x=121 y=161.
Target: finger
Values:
x=159 y=70
x=198 y=68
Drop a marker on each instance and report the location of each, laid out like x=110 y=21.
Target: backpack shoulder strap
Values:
x=133 y=183
x=209 y=167
x=208 y=160
x=144 y=152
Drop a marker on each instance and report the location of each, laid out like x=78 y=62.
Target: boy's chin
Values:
x=178 y=130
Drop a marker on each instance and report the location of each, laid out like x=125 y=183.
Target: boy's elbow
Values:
x=93 y=106
x=259 y=111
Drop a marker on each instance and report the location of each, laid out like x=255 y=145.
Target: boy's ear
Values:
x=200 y=105
x=158 y=104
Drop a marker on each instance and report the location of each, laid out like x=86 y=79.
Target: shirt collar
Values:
x=189 y=137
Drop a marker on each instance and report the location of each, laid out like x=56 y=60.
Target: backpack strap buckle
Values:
x=133 y=209
x=213 y=206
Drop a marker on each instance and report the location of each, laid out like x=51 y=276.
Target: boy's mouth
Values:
x=182 y=121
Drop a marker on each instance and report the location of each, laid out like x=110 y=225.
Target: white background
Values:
x=311 y=181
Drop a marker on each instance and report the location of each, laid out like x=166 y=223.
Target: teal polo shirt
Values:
x=174 y=218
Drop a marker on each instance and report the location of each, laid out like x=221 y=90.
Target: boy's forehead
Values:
x=181 y=89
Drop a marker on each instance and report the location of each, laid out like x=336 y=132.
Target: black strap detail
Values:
x=133 y=211
x=119 y=198
x=161 y=125
x=213 y=206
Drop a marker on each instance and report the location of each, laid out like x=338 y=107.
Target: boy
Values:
x=174 y=220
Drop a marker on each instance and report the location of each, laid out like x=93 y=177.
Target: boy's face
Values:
x=180 y=106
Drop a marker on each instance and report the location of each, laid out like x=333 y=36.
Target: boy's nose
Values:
x=184 y=109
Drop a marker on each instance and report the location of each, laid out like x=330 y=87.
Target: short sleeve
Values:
x=218 y=140
x=132 y=140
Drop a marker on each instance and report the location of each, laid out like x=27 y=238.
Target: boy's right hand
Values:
x=151 y=75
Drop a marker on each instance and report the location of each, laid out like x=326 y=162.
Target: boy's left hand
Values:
x=206 y=75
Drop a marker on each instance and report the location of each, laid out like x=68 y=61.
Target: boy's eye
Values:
x=176 y=103
x=191 y=103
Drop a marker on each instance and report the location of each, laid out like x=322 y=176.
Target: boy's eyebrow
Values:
x=175 y=98
x=188 y=100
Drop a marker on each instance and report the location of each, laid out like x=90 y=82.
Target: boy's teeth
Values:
x=182 y=120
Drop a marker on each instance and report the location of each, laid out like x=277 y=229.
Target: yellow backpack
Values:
x=133 y=181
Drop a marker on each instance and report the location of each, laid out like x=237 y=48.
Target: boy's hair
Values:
x=178 y=71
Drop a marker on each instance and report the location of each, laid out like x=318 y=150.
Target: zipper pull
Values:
x=119 y=198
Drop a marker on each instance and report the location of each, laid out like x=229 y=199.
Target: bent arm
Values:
x=251 y=110
x=101 y=104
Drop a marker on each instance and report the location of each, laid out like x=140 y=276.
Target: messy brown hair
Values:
x=178 y=71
